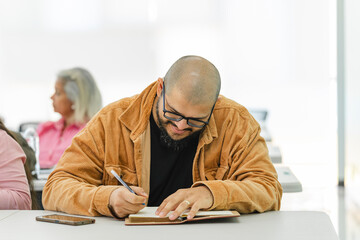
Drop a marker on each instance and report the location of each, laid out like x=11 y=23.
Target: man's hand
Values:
x=124 y=202
x=195 y=198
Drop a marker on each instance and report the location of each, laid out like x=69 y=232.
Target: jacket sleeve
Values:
x=14 y=187
x=76 y=184
x=29 y=152
x=246 y=179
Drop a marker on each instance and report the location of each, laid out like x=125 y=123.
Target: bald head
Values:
x=196 y=78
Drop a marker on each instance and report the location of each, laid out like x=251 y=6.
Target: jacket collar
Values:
x=209 y=132
x=136 y=117
x=59 y=125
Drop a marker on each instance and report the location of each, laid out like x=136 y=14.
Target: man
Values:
x=178 y=144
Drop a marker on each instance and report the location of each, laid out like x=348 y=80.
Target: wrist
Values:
x=112 y=211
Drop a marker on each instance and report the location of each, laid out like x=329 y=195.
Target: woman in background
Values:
x=14 y=186
x=77 y=99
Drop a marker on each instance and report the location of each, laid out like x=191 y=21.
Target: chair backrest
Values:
x=28 y=131
x=259 y=115
x=26 y=125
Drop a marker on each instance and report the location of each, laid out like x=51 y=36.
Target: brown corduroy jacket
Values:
x=232 y=159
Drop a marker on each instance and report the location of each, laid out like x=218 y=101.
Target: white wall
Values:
x=352 y=93
x=276 y=54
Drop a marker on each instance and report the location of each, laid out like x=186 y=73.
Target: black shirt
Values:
x=170 y=170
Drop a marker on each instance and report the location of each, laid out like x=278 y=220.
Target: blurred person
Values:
x=29 y=152
x=77 y=99
x=29 y=168
x=179 y=144
x=14 y=183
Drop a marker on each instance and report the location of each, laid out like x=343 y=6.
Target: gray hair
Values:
x=80 y=88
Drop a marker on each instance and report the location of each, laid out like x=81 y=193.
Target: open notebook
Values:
x=147 y=217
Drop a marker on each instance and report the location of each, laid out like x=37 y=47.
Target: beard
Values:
x=167 y=141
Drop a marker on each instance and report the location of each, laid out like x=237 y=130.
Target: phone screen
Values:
x=63 y=219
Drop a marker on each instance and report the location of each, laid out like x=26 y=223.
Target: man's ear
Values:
x=159 y=86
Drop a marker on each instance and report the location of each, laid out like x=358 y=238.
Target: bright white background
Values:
x=352 y=95
x=274 y=54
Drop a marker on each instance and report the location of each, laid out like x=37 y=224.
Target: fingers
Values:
x=139 y=198
x=194 y=209
x=124 y=202
x=139 y=191
x=123 y=212
x=180 y=209
x=171 y=203
x=183 y=199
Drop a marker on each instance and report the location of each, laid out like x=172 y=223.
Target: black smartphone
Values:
x=63 y=219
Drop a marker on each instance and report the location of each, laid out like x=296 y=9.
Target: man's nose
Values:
x=182 y=124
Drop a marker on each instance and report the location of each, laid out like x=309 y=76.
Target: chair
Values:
x=259 y=115
x=28 y=131
x=26 y=125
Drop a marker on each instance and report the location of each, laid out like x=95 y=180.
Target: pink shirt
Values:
x=14 y=187
x=53 y=142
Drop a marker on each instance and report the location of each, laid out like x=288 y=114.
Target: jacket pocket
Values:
x=221 y=173
x=127 y=175
x=210 y=174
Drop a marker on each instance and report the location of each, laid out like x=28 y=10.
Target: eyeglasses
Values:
x=193 y=122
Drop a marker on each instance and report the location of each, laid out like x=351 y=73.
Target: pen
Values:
x=123 y=183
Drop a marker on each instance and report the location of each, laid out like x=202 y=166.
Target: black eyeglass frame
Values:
x=181 y=117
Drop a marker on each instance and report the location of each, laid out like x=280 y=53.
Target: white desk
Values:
x=274 y=153
x=287 y=179
x=270 y=226
x=5 y=213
